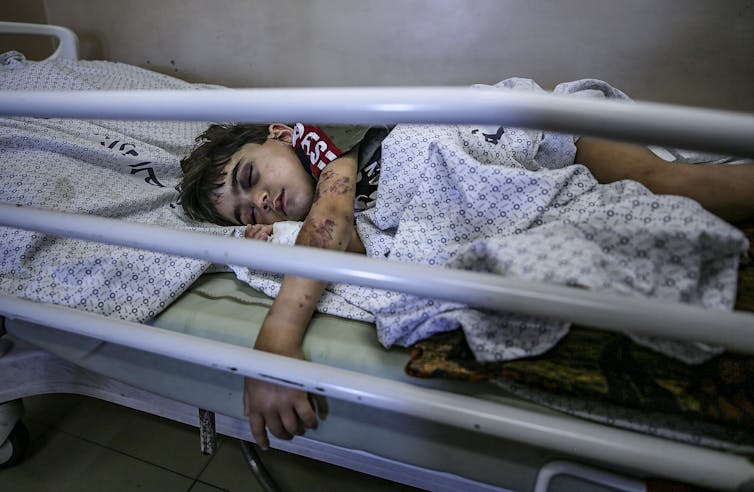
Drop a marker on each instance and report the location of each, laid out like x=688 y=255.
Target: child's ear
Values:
x=282 y=132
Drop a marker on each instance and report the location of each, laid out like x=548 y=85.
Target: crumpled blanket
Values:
x=510 y=201
x=122 y=169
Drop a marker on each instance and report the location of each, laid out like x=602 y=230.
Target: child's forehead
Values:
x=244 y=149
x=248 y=152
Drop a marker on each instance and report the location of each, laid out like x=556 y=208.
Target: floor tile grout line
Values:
x=92 y=400
x=52 y=428
x=223 y=489
x=211 y=459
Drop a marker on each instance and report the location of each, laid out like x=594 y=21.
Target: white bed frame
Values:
x=26 y=371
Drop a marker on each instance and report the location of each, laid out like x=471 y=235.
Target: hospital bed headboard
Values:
x=68 y=41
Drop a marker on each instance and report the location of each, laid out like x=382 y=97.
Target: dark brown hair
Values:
x=203 y=167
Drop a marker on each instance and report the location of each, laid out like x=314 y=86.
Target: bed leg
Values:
x=257 y=467
x=207 y=434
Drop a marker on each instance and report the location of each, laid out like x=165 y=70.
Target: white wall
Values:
x=697 y=52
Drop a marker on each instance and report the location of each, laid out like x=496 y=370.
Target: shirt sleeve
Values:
x=370 y=140
x=345 y=137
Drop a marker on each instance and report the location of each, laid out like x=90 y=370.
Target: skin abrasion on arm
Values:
x=329 y=225
x=330 y=221
x=284 y=411
x=321 y=236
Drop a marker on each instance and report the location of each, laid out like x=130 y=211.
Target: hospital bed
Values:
x=187 y=363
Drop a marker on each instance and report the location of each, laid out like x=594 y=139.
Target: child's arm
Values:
x=329 y=224
x=723 y=190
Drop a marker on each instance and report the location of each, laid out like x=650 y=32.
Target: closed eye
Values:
x=244 y=176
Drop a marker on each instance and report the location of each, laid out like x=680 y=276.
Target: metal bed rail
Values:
x=650 y=123
x=640 y=122
x=649 y=455
x=732 y=329
x=68 y=41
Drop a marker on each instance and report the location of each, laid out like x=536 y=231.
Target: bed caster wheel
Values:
x=12 y=451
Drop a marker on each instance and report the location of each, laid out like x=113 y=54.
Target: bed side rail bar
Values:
x=489 y=291
x=641 y=122
x=649 y=455
x=68 y=42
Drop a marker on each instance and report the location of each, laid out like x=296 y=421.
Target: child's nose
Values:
x=263 y=201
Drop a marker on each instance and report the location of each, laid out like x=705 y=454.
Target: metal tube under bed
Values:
x=640 y=122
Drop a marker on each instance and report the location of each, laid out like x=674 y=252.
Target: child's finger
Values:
x=249 y=231
x=258 y=231
x=256 y=423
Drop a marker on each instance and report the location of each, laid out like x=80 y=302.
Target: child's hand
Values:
x=286 y=412
x=258 y=231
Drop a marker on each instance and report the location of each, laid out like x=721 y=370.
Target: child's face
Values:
x=265 y=183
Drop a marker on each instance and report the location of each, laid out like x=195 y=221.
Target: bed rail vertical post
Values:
x=207 y=434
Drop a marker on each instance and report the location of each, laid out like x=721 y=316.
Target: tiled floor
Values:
x=82 y=444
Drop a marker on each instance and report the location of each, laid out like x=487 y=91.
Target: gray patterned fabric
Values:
x=491 y=199
x=122 y=169
x=511 y=201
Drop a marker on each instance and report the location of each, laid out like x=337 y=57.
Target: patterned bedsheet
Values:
x=503 y=200
x=510 y=201
x=121 y=169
